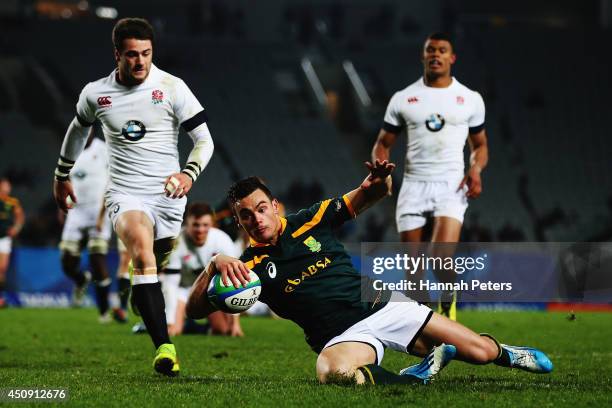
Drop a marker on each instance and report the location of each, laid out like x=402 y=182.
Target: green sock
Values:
x=375 y=374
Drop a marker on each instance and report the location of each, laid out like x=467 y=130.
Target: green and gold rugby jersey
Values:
x=308 y=276
x=7 y=213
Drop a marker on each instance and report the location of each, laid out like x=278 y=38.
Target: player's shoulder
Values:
x=407 y=92
x=313 y=214
x=462 y=87
x=98 y=85
x=166 y=78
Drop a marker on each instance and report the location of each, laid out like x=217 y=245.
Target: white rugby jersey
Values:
x=438 y=121
x=189 y=258
x=89 y=175
x=141 y=127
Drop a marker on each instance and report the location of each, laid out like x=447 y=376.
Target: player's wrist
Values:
x=192 y=170
x=62 y=171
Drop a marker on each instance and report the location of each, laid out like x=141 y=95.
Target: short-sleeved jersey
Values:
x=438 y=121
x=89 y=176
x=141 y=127
x=191 y=259
x=7 y=213
x=308 y=276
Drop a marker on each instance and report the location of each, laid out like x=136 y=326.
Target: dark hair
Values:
x=199 y=209
x=441 y=36
x=132 y=27
x=244 y=187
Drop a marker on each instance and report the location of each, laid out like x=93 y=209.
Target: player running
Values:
x=141 y=109
x=308 y=277
x=89 y=178
x=439 y=114
x=11 y=221
x=197 y=244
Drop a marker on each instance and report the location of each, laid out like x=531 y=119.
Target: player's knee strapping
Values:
x=142 y=276
x=70 y=247
x=97 y=246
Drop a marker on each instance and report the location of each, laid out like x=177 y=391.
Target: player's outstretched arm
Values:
x=376 y=186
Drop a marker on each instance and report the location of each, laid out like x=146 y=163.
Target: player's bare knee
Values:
x=331 y=369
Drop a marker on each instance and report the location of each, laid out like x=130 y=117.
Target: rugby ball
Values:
x=231 y=300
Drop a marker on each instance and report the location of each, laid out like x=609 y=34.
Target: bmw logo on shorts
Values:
x=133 y=130
x=435 y=122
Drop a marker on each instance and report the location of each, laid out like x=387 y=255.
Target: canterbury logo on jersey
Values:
x=310 y=271
x=104 y=101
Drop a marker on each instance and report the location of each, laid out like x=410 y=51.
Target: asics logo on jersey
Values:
x=133 y=130
x=435 y=122
x=271 y=269
x=104 y=101
x=412 y=99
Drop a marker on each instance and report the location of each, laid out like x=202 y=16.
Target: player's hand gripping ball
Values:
x=231 y=300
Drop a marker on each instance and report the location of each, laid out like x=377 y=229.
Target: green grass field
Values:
x=273 y=367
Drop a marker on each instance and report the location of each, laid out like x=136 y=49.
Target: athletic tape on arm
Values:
x=72 y=147
x=201 y=153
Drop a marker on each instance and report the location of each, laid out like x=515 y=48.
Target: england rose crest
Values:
x=157 y=96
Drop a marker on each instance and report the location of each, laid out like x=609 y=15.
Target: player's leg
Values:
x=97 y=247
x=5 y=256
x=358 y=351
x=170 y=286
x=446 y=232
x=449 y=210
x=123 y=277
x=135 y=229
x=478 y=348
x=70 y=252
x=357 y=362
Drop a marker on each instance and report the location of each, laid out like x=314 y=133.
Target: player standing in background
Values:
x=12 y=219
x=89 y=178
x=308 y=277
x=199 y=241
x=141 y=109
x=439 y=114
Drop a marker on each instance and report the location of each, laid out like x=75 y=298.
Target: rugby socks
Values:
x=149 y=299
x=102 y=289
x=503 y=358
x=375 y=374
x=124 y=290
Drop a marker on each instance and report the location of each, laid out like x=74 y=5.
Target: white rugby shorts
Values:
x=397 y=326
x=165 y=213
x=6 y=244
x=81 y=222
x=418 y=200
